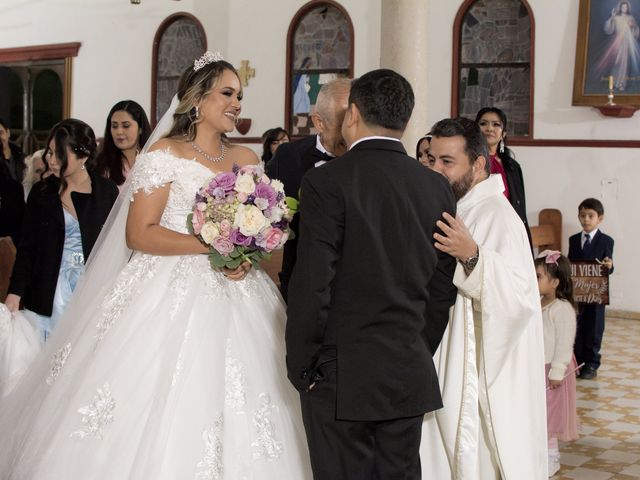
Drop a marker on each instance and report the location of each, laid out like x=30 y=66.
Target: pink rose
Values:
x=197 y=221
x=223 y=245
x=225 y=228
x=271 y=239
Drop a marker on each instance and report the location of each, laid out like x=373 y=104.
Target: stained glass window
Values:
x=320 y=49
x=179 y=41
x=495 y=62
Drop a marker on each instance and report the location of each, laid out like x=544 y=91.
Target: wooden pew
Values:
x=547 y=235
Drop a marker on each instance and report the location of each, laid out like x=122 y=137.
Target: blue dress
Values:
x=71 y=267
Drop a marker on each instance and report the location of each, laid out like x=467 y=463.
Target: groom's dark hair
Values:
x=384 y=98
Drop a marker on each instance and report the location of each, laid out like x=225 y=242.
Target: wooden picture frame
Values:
x=608 y=45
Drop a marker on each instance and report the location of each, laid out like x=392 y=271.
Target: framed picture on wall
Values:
x=607 y=52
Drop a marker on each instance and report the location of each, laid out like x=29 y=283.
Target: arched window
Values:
x=180 y=39
x=319 y=49
x=36 y=81
x=47 y=100
x=11 y=105
x=493 y=58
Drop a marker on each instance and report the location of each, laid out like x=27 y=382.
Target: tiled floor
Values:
x=609 y=411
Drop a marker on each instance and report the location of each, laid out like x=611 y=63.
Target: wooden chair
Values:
x=547 y=235
x=7 y=259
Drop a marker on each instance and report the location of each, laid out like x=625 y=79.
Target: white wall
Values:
x=114 y=61
x=560 y=177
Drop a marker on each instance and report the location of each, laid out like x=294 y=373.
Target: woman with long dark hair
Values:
x=126 y=132
x=422 y=149
x=493 y=124
x=63 y=217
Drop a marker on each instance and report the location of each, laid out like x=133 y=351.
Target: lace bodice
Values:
x=157 y=168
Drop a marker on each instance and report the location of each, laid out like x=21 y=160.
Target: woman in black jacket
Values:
x=63 y=217
x=493 y=124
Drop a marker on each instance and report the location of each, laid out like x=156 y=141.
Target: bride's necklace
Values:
x=223 y=150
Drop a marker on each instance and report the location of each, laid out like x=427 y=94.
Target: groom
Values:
x=369 y=296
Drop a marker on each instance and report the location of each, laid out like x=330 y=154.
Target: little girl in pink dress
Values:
x=559 y=325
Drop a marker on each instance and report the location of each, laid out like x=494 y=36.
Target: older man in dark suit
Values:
x=293 y=160
x=370 y=295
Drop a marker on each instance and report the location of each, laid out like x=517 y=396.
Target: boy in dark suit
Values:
x=590 y=244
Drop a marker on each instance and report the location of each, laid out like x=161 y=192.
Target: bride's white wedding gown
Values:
x=177 y=373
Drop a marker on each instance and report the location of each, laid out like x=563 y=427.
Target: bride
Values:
x=163 y=368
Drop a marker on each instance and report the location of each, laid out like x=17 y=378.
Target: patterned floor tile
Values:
x=609 y=411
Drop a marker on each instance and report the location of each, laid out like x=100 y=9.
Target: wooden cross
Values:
x=245 y=72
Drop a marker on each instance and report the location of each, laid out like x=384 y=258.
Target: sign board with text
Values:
x=590 y=282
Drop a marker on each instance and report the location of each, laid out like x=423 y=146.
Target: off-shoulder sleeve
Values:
x=153 y=170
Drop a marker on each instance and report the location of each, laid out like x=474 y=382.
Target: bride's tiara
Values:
x=206 y=59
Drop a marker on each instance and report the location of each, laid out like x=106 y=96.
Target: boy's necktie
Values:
x=587 y=241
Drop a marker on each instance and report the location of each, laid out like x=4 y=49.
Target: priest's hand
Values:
x=457 y=240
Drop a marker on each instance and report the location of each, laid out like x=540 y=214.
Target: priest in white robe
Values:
x=490 y=361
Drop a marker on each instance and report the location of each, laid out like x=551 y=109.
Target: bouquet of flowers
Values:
x=241 y=215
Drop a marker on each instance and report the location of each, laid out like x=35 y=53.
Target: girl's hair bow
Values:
x=550 y=256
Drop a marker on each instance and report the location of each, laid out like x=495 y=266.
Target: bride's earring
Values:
x=197 y=112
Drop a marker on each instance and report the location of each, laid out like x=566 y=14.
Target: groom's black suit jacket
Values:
x=369 y=281
x=290 y=163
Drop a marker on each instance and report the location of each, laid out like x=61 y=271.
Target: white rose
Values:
x=277 y=185
x=250 y=220
x=209 y=232
x=276 y=214
x=261 y=203
x=245 y=183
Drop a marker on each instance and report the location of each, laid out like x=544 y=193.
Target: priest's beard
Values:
x=461 y=186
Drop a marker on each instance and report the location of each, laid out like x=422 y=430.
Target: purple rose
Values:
x=225 y=180
x=267 y=192
x=218 y=192
x=239 y=239
x=223 y=245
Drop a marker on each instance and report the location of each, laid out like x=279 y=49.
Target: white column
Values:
x=403 y=48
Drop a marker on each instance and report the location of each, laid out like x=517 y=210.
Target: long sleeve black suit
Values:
x=290 y=163
x=367 y=282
